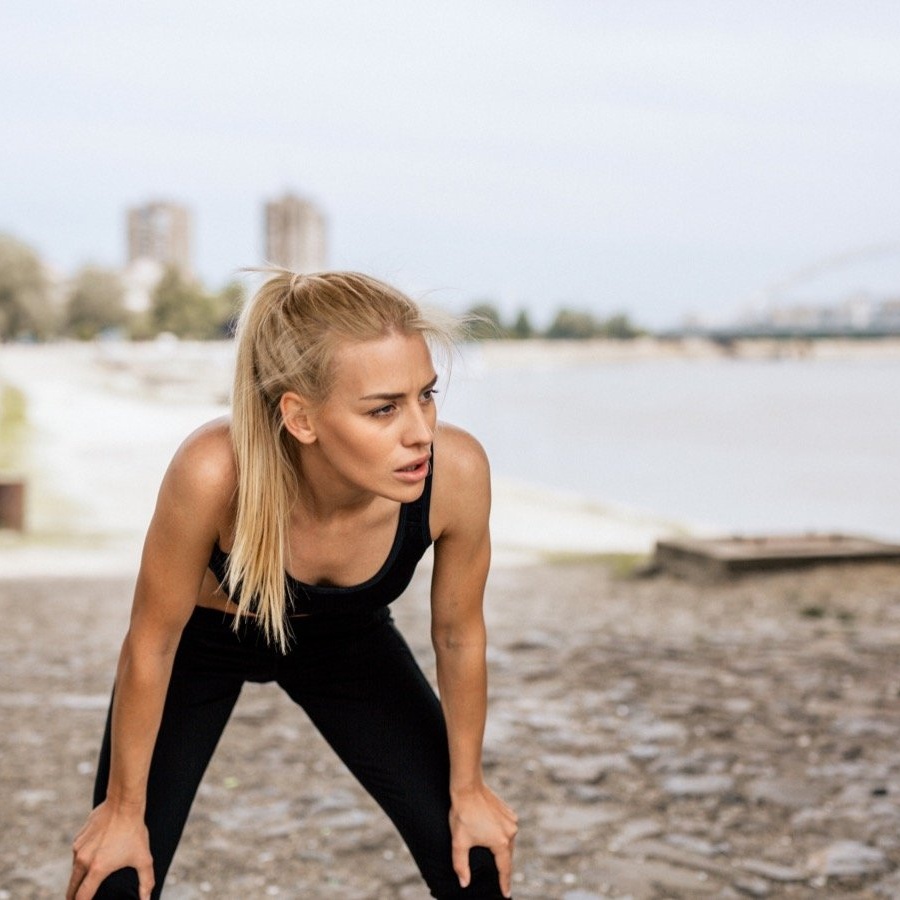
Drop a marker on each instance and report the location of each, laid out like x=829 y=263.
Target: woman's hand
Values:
x=110 y=841
x=479 y=818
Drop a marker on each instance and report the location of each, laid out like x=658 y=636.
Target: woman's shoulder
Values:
x=461 y=486
x=204 y=465
x=458 y=453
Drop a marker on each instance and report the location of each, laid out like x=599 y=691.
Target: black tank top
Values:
x=412 y=539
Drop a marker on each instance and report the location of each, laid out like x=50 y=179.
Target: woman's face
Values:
x=374 y=431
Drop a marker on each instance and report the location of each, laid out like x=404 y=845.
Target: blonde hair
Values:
x=286 y=340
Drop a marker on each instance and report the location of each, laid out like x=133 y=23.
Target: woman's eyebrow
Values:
x=397 y=395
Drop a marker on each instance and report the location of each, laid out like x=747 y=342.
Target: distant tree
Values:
x=96 y=303
x=183 y=308
x=25 y=308
x=484 y=322
x=573 y=324
x=228 y=306
x=522 y=327
x=619 y=327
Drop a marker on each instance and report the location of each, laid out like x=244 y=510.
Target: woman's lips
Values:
x=414 y=471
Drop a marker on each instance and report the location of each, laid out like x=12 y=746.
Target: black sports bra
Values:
x=412 y=539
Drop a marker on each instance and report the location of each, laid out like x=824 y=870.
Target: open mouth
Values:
x=421 y=465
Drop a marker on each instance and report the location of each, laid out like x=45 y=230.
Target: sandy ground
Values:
x=660 y=739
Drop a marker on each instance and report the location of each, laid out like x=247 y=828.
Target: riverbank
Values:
x=658 y=739
x=542 y=352
x=102 y=421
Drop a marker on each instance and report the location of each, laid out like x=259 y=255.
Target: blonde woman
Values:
x=278 y=541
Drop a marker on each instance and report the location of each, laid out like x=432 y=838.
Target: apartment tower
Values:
x=160 y=232
x=295 y=234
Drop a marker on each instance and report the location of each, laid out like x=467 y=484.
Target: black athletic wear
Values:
x=352 y=672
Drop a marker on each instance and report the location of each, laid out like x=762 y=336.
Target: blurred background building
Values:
x=295 y=234
x=162 y=232
x=159 y=237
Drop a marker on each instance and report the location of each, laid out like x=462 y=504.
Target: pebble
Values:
x=752 y=887
x=584 y=769
x=635 y=830
x=847 y=858
x=573 y=818
x=697 y=785
x=792 y=793
x=657 y=732
x=772 y=871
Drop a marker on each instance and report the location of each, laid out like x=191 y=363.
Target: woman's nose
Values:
x=420 y=429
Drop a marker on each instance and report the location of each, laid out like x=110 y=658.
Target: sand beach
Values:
x=659 y=738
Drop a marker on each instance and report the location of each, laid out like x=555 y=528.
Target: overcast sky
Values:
x=656 y=156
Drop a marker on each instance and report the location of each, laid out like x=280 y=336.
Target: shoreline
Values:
x=103 y=420
x=542 y=352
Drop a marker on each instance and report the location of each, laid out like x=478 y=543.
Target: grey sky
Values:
x=659 y=157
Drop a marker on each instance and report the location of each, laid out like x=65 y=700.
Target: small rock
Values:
x=635 y=830
x=752 y=887
x=565 y=818
x=738 y=706
x=35 y=797
x=653 y=732
x=860 y=726
x=643 y=752
x=562 y=847
x=696 y=845
x=349 y=818
x=847 y=858
x=182 y=892
x=697 y=785
x=770 y=870
x=788 y=792
x=568 y=769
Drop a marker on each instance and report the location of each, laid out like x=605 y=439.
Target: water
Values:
x=741 y=445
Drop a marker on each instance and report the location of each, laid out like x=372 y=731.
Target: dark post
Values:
x=12 y=504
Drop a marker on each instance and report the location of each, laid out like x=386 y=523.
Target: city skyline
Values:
x=161 y=231
x=661 y=158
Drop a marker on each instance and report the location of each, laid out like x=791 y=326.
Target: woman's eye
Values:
x=429 y=394
x=382 y=411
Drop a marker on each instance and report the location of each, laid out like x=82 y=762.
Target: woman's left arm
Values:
x=478 y=818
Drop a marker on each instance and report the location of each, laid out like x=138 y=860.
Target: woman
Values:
x=277 y=542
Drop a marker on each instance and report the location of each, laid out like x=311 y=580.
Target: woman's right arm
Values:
x=192 y=504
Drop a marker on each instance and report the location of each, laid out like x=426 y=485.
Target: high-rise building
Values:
x=160 y=232
x=295 y=234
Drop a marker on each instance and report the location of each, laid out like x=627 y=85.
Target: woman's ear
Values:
x=296 y=413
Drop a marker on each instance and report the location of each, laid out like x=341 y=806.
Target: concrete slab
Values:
x=724 y=556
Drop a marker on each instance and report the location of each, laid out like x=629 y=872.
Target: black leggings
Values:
x=360 y=685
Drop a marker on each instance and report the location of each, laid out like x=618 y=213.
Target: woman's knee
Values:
x=484 y=883
x=120 y=885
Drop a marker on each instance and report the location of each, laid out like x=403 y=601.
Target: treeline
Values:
x=93 y=303
x=485 y=321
